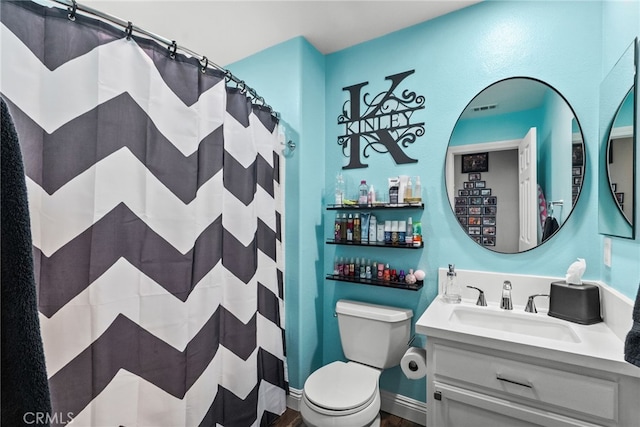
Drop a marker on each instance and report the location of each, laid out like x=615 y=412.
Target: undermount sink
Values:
x=535 y=325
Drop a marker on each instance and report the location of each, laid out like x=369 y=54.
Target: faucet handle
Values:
x=531 y=306
x=481 y=299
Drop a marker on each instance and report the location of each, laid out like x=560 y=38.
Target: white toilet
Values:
x=374 y=337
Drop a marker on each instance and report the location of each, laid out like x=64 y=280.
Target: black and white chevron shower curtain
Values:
x=155 y=202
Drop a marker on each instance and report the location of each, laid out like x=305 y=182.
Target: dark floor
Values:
x=292 y=418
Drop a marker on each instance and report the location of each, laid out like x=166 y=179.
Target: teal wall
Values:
x=454 y=58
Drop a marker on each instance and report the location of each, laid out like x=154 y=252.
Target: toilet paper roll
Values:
x=414 y=363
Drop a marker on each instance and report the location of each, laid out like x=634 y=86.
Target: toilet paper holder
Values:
x=413 y=366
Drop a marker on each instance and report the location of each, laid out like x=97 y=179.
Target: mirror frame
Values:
x=611 y=219
x=451 y=152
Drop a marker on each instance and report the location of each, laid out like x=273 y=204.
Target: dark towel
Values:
x=632 y=343
x=550 y=227
x=25 y=390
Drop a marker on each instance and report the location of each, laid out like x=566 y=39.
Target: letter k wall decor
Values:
x=385 y=125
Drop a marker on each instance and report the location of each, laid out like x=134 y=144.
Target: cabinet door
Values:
x=458 y=407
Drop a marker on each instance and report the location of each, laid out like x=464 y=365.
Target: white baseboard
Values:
x=293 y=399
x=404 y=407
x=396 y=404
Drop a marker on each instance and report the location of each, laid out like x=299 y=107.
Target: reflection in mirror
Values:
x=616 y=185
x=620 y=158
x=514 y=165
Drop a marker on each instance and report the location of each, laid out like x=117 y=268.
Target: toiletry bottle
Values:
x=417 y=190
x=408 y=191
x=386 y=273
x=373 y=223
x=365 y=223
x=380 y=232
x=402 y=232
x=401 y=276
x=352 y=268
x=417 y=234
x=452 y=290
x=343 y=228
x=367 y=274
x=336 y=231
x=371 y=197
x=356 y=228
x=409 y=234
x=394 y=233
x=363 y=193
x=339 y=189
x=393 y=195
x=336 y=264
x=350 y=228
x=380 y=271
x=363 y=270
x=341 y=267
x=387 y=232
x=356 y=268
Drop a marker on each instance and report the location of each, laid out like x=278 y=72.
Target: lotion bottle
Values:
x=417 y=190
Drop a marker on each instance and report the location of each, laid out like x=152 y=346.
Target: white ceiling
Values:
x=226 y=31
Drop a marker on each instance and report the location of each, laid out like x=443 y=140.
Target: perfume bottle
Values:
x=452 y=290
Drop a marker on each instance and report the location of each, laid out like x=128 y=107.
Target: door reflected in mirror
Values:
x=514 y=165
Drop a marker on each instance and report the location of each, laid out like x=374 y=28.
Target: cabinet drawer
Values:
x=580 y=393
x=460 y=407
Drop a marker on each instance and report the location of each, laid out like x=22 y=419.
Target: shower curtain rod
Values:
x=73 y=7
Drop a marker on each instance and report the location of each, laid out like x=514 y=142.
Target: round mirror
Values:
x=620 y=155
x=514 y=165
x=617 y=145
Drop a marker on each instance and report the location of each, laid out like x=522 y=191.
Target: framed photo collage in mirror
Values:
x=577 y=170
x=476 y=210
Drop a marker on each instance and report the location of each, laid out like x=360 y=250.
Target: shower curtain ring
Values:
x=129 y=30
x=172 y=49
x=72 y=12
x=242 y=86
x=205 y=63
x=227 y=76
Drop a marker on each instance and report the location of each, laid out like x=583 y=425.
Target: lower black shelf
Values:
x=375 y=282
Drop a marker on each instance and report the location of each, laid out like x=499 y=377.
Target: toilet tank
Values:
x=375 y=335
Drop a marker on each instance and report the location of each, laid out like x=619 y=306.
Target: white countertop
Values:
x=598 y=347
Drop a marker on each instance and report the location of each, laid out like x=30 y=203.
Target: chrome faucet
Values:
x=531 y=306
x=481 y=299
x=505 y=301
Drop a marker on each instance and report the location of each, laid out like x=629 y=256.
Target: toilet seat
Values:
x=341 y=388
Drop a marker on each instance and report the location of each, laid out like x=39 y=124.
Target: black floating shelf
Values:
x=375 y=282
x=377 y=206
x=377 y=245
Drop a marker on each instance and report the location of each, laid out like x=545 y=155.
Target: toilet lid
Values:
x=342 y=386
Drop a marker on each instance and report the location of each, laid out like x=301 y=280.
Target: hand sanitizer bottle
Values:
x=452 y=290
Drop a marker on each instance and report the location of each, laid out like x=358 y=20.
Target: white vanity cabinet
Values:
x=476 y=386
